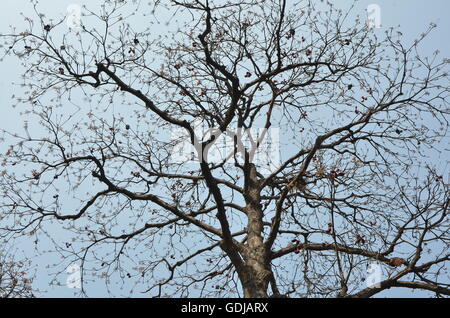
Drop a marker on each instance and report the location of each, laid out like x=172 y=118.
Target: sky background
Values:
x=411 y=16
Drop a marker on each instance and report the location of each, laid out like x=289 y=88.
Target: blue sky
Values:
x=411 y=16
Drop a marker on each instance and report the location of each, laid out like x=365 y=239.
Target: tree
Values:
x=14 y=280
x=359 y=117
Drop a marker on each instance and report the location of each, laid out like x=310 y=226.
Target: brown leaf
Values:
x=396 y=261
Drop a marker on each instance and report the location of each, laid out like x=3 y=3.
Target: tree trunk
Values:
x=256 y=283
x=256 y=272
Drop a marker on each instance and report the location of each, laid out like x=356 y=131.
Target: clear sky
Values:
x=412 y=16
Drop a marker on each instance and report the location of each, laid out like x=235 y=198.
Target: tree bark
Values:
x=256 y=272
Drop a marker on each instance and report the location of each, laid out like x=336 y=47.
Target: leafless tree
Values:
x=363 y=122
